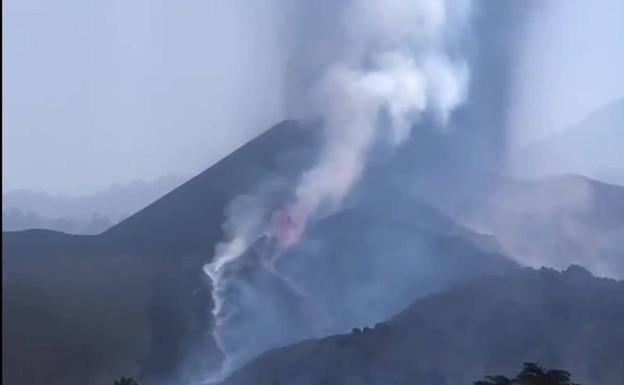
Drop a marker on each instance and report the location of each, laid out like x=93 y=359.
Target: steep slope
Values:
x=354 y=268
x=347 y=260
x=88 y=308
x=189 y=218
x=489 y=325
x=134 y=300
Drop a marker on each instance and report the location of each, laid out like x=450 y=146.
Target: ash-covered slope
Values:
x=490 y=325
x=85 y=309
x=353 y=268
x=364 y=266
x=134 y=300
x=189 y=218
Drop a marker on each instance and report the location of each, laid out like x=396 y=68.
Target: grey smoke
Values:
x=397 y=64
x=565 y=116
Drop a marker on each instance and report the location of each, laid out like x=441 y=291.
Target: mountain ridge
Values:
x=515 y=312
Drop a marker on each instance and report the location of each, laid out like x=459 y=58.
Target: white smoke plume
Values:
x=399 y=62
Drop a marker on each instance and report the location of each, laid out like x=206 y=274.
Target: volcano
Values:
x=134 y=300
x=134 y=296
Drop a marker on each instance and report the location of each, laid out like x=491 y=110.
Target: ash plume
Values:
x=399 y=61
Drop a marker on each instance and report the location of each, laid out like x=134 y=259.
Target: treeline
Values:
x=531 y=374
x=17 y=220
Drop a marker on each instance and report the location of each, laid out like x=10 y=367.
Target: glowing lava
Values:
x=288 y=225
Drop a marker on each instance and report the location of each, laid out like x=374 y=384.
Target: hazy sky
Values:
x=571 y=62
x=97 y=92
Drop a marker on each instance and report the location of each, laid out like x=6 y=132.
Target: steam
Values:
x=399 y=62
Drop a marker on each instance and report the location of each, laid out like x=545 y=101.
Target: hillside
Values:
x=122 y=301
x=557 y=221
x=354 y=268
x=489 y=325
x=134 y=300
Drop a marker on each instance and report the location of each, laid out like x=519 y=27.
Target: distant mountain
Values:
x=557 y=221
x=592 y=148
x=83 y=214
x=568 y=320
x=17 y=220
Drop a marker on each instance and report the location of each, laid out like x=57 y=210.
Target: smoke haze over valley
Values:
x=82 y=214
x=328 y=192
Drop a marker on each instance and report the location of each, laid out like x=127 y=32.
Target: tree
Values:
x=531 y=374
